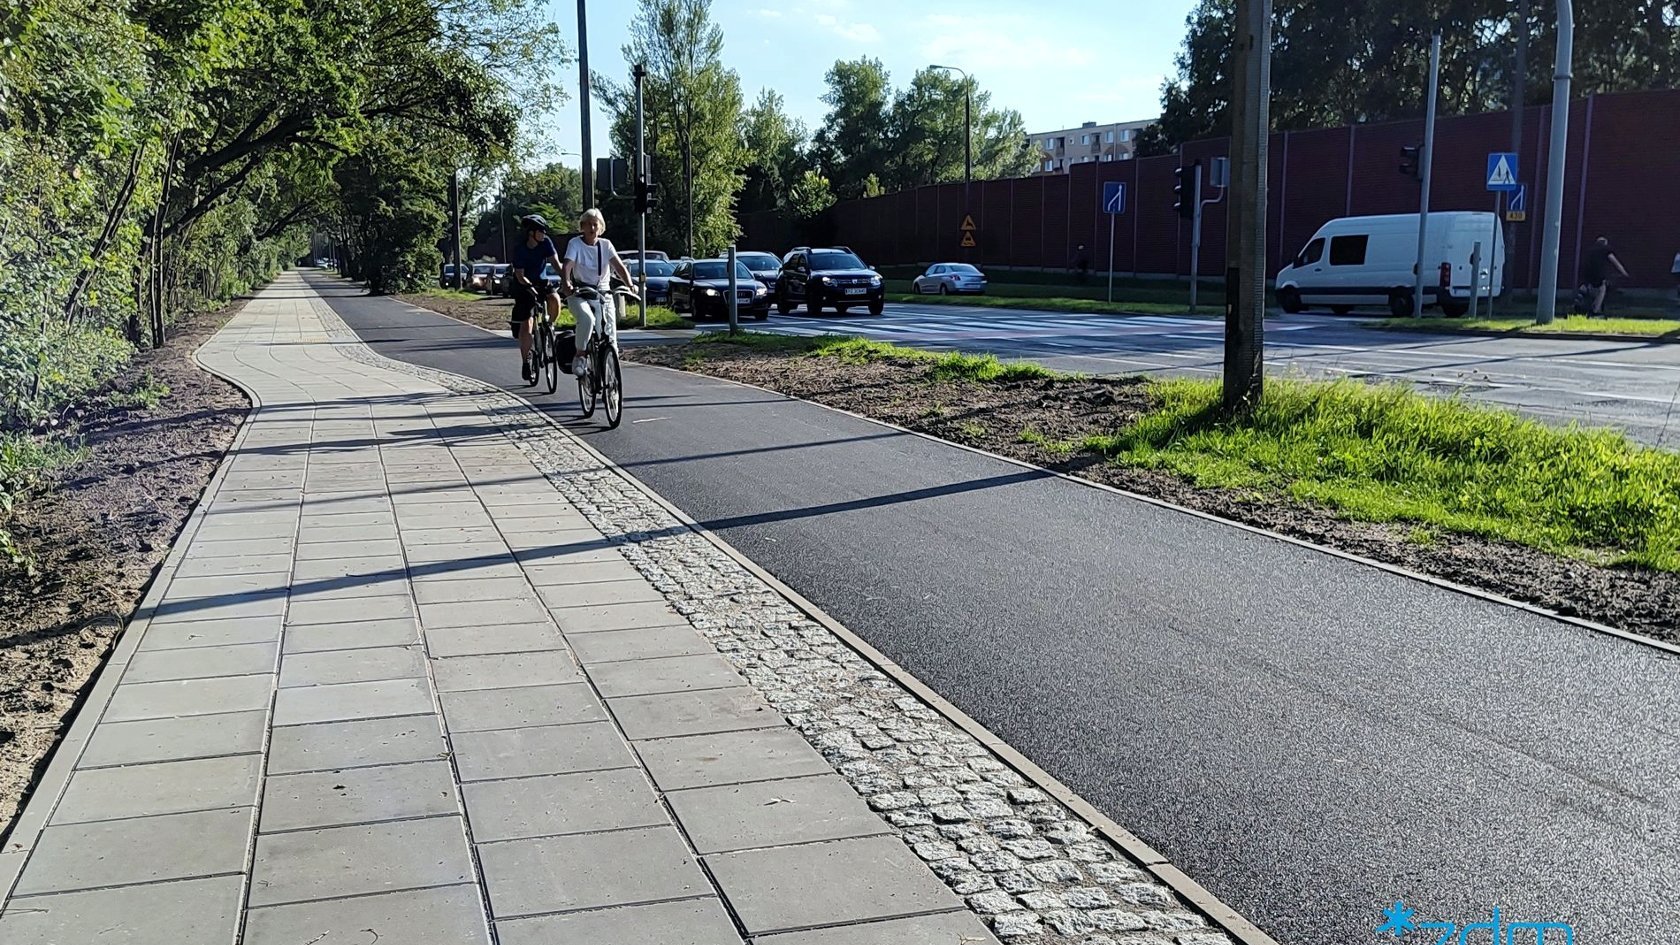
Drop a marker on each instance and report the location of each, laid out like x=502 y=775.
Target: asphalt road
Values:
x=1309 y=738
x=1632 y=386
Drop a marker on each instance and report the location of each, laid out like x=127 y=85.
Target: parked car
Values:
x=551 y=276
x=950 y=279
x=659 y=275
x=1373 y=261
x=832 y=277
x=701 y=287
x=632 y=254
x=805 y=249
x=483 y=277
x=501 y=279
x=446 y=280
x=765 y=267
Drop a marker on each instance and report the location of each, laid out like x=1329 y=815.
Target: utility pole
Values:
x=1428 y=168
x=455 y=223
x=1555 y=158
x=968 y=138
x=1519 y=92
x=1245 y=272
x=688 y=186
x=583 y=102
x=639 y=72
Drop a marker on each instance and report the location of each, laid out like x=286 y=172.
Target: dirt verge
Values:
x=992 y=416
x=486 y=311
x=96 y=533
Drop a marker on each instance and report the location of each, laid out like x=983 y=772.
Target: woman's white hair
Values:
x=593 y=214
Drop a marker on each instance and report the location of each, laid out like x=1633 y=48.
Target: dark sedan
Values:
x=701 y=287
x=659 y=275
x=765 y=267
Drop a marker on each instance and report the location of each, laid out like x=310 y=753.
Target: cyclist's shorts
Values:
x=525 y=302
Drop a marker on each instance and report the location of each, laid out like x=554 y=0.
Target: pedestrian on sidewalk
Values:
x=1674 y=271
x=1082 y=262
x=1595 y=274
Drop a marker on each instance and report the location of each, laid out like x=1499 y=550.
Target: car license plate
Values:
x=854 y=291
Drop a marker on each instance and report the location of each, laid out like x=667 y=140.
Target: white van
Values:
x=1372 y=261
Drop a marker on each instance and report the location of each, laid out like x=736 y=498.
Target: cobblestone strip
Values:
x=1036 y=873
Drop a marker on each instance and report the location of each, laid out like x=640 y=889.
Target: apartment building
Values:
x=1089 y=143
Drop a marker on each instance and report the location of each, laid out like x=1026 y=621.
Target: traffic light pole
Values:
x=1428 y=167
x=1195 y=235
x=640 y=73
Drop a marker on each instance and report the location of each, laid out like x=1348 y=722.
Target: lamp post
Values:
x=968 y=138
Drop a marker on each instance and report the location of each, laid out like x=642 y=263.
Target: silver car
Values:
x=950 y=279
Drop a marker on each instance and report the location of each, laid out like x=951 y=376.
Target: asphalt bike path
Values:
x=1310 y=738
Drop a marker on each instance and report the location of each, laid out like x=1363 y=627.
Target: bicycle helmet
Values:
x=534 y=221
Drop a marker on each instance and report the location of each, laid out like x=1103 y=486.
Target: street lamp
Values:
x=968 y=131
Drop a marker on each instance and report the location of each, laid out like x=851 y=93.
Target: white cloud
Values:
x=846 y=29
x=770 y=14
x=1009 y=40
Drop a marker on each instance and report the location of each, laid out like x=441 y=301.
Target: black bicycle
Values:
x=545 y=348
x=601 y=381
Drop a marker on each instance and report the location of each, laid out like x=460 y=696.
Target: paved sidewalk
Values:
x=392 y=682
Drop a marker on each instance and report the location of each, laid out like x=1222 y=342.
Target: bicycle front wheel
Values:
x=612 y=388
x=551 y=359
x=587 y=388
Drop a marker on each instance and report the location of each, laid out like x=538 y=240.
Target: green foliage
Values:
x=1570 y=325
x=1346 y=63
x=775 y=150
x=44 y=373
x=1389 y=454
x=146 y=393
x=25 y=462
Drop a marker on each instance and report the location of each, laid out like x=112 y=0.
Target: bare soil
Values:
x=96 y=535
x=486 y=311
x=991 y=416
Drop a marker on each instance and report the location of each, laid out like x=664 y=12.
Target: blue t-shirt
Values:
x=530 y=259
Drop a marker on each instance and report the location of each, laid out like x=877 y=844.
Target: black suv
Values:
x=828 y=277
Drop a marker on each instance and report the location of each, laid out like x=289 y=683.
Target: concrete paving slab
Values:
x=194 y=567
x=430 y=591
x=196 y=912
x=350 y=587
x=134 y=701
x=945 y=928
x=689 y=922
x=588 y=572
x=383 y=530
x=202 y=662
x=589 y=871
x=372 y=566
x=285 y=530
x=479 y=641
x=362 y=743
x=364 y=547
x=450 y=915
x=467 y=552
x=797 y=887
x=665 y=674
x=480 y=613
x=773 y=813
x=351 y=861
x=730 y=758
x=232 y=607
x=138 y=850
x=551 y=805
x=628 y=591
x=465 y=570
x=321 y=519
x=651 y=643
x=563 y=541
x=693 y=713
x=570 y=552
x=211 y=633
x=349 y=701
x=549 y=749
x=239 y=547
x=491 y=709
x=351 y=636
x=503 y=671
x=451 y=535
x=358 y=796
x=171 y=787
x=177 y=739
x=357 y=610
x=357 y=665
x=601 y=618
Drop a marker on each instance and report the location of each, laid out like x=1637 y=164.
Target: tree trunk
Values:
x=113 y=222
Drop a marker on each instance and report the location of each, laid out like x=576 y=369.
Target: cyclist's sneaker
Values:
x=525 y=369
x=580 y=365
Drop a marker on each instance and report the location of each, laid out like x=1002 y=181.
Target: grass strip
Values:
x=1569 y=325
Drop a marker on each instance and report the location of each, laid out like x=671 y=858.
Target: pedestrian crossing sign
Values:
x=968 y=241
x=968 y=223
x=1502 y=171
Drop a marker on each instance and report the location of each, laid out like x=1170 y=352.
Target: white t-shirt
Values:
x=591 y=265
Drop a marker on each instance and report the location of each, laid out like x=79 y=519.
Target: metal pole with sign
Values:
x=1428 y=169
x=1196 y=236
x=1556 y=155
x=1114 y=204
x=1503 y=169
x=640 y=73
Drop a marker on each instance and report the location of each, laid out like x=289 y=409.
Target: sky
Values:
x=1058 y=62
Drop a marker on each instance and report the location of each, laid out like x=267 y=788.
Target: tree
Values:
x=926 y=129
x=855 y=140
x=554 y=190
x=1343 y=64
x=775 y=151
x=693 y=115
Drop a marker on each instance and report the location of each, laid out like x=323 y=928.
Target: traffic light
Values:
x=647 y=195
x=1184 y=192
x=1409 y=163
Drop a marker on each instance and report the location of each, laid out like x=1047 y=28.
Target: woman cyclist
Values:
x=529 y=258
x=591 y=261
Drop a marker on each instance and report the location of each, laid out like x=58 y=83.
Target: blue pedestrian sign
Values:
x=1114 y=197
x=1502 y=171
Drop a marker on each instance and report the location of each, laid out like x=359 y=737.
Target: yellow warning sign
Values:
x=968 y=224
x=1516 y=216
x=968 y=240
